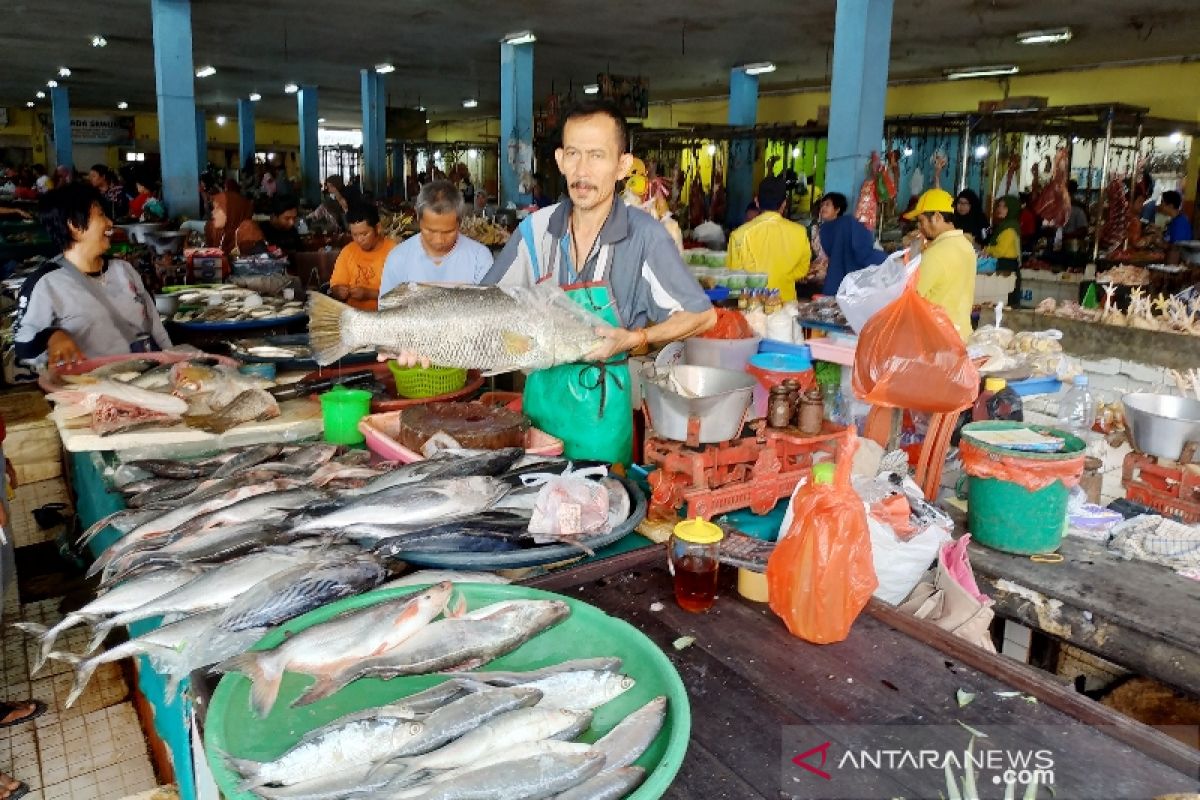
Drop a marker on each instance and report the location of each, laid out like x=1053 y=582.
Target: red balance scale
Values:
x=1169 y=487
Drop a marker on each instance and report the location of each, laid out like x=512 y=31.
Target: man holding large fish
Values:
x=619 y=265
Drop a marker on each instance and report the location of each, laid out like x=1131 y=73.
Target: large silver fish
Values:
x=300 y=589
x=630 y=737
x=606 y=786
x=540 y=776
x=488 y=328
x=411 y=505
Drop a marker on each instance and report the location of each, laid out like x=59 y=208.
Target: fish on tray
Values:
x=488 y=328
x=249 y=405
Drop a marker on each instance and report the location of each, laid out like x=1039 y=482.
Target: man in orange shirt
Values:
x=359 y=267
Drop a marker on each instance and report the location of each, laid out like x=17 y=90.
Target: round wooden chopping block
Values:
x=476 y=426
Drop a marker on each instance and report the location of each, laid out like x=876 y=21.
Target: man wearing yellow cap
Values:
x=947 y=274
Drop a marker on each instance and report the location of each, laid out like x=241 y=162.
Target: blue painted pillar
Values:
x=60 y=105
x=201 y=139
x=173 y=81
x=373 y=103
x=861 y=48
x=310 y=169
x=245 y=132
x=743 y=112
x=516 y=121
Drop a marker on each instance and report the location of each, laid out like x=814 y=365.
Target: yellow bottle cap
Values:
x=699 y=531
x=824 y=472
x=994 y=384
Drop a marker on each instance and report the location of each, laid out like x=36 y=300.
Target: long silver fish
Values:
x=293 y=592
x=488 y=328
x=540 y=776
x=209 y=546
x=410 y=505
x=607 y=785
x=630 y=737
x=338 y=644
x=130 y=594
x=262 y=507
x=247 y=458
x=473 y=639
x=508 y=678
x=582 y=690
x=514 y=752
x=425 y=576
x=488 y=463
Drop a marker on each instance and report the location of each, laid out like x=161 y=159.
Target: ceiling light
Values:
x=712 y=149
x=521 y=37
x=472 y=153
x=64 y=72
x=131 y=156
x=908 y=151
x=591 y=88
x=40 y=95
x=141 y=156
x=291 y=88
x=321 y=120
x=1074 y=140
x=222 y=119
x=470 y=103
x=959 y=73
x=206 y=71
x=1049 y=36
x=758 y=68
x=29 y=104
x=426 y=121
x=420 y=108
x=437 y=155
x=122 y=105
x=385 y=68
x=99 y=41
x=795 y=152
x=52 y=84
x=255 y=97
x=1176 y=137
x=981 y=152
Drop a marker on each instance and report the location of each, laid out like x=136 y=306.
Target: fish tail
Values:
x=100 y=525
x=84 y=669
x=264 y=677
x=325 y=328
x=47 y=637
x=99 y=634
x=244 y=767
x=324 y=686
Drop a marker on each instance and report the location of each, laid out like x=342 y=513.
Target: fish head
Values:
x=403 y=734
x=427 y=605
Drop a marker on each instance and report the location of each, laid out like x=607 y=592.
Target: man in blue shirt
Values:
x=438 y=254
x=847 y=243
x=1179 y=229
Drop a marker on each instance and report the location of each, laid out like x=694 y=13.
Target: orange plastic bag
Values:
x=821 y=575
x=730 y=325
x=1029 y=473
x=910 y=356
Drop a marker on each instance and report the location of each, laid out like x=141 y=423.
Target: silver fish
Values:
x=502 y=678
x=475 y=638
x=204 y=547
x=250 y=405
x=247 y=458
x=425 y=576
x=215 y=589
x=577 y=691
x=353 y=781
x=298 y=590
x=486 y=463
x=429 y=500
x=513 y=753
x=630 y=737
x=312 y=455
x=213 y=647
x=128 y=595
x=607 y=785
x=337 y=644
x=488 y=328
x=261 y=507
x=540 y=776
x=172 y=490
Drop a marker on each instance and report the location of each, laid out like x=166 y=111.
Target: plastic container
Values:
x=382 y=431
x=341 y=409
x=756 y=280
x=736 y=280
x=418 y=382
x=261 y=370
x=1007 y=516
x=772 y=369
x=720 y=353
x=692 y=557
x=752 y=585
x=1077 y=409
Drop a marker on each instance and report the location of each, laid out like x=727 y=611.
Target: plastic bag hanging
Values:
x=821 y=575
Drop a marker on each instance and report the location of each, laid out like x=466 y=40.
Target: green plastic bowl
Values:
x=232 y=729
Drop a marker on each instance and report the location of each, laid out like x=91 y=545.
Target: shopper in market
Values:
x=280 y=230
x=847 y=244
x=116 y=202
x=81 y=304
x=1178 y=228
x=1077 y=220
x=771 y=243
x=439 y=254
x=969 y=216
x=617 y=262
x=359 y=267
x=946 y=276
x=231 y=225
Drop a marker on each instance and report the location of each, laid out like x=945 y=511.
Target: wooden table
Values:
x=748 y=679
x=1139 y=615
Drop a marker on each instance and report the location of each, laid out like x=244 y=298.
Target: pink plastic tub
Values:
x=382 y=431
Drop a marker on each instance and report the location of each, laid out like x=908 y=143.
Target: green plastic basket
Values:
x=416 y=382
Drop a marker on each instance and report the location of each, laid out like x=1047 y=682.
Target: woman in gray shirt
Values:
x=81 y=304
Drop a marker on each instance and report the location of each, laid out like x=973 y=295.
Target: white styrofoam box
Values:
x=1105 y=366
x=1035 y=289
x=992 y=289
x=1144 y=373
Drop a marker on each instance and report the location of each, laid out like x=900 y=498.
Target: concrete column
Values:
x=516 y=121
x=398 y=177
x=201 y=139
x=374 y=177
x=861 y=48
x=310 y=171
x=246 y=144
x=739 y=177
x=173 y=78
x=60 y=106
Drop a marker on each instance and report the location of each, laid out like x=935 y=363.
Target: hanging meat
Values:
x=1054 y=203
x=1116 y=224
x=866 y=210
x=695 y=201
x=1014 y=166
x=717 y=205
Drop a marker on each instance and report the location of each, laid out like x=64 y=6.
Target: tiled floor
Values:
x=94 y=750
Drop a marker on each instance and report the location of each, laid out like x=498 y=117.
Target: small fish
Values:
x=312 y=455
x=608 y=785
x=489 y=328
x=157 y=378
x=177 y=470
x=206 y=547
x=247 y=458
x=581 y=690
x=137 y=487
x=630 y=737
x=171 y=490
x=250 y=405
x=502 y=678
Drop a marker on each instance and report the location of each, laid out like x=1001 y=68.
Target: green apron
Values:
x=588 y=406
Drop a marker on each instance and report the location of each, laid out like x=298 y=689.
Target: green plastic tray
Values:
x=588 y=632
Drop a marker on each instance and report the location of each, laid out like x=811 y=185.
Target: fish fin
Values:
x=324 y=686
x=458 y=610
x=265 y=679
x=47 y=641
x=99 y=634
x=325 y=328
x=516 y=344
x=100 y=525
x=247 y=769
x=84 y=668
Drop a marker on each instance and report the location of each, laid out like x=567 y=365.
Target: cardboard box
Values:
x=31 y=442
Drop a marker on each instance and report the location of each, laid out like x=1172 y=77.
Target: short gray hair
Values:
x=440 y=197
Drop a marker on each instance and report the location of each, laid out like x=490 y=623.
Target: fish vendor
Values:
x=439 y=254
x=82 y=304
x=618 y=262
x=359 y=267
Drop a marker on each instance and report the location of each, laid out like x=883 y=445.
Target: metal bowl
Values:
x=708 y=402
x=167 y=304
x=1160 y=424
x=136 y=231
x=164 y=242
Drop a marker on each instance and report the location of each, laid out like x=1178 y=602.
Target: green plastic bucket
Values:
x=1007 y=516
x=341 y=410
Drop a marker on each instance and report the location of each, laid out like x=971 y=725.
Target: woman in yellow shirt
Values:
x=1004 y=244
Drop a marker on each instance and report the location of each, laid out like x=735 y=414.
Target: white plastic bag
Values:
x=865 y=292
x=899 y=565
